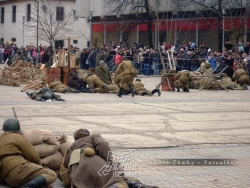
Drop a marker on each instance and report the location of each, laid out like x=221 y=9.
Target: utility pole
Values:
x=23 y=28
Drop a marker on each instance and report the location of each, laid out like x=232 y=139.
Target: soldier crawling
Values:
x=44 y=94
x=141 y=90
x=59 y=87
x=96 y=85
x=182 y=80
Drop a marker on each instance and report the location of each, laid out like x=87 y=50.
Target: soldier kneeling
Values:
x=182 y=80
x=141 y=90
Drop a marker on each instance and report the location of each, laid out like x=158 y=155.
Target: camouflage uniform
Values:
x=41 y=95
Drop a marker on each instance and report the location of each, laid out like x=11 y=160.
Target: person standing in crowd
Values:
x=92 y=59
x=34 y=56
x=247 y=48
x=78 y=57
x=155 y=61
x=212 y=60
x=84 y=59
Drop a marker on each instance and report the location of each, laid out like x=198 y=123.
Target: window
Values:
x=2 y=15
x=13 y=39
x=59 y=13
x=75 y=41
x=74 y=15
x=28 y=12
x=13 y=13
x=59 y=43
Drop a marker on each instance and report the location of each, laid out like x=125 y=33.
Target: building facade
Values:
x=178 y=21
x=16 y=16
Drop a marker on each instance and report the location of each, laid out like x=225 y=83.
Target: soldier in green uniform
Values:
x=19 y=161
x=127 y=73
x=182 y=80
x=102 y=71
x=44 y=94
x=141 y=90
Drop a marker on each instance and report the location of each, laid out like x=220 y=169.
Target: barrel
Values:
x=65 y=75
x=165 y=85
x=52 y=73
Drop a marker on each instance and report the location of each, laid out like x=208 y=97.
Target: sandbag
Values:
x=39 y=136
x=63 y=147
x=53 y=161
x=62 y=139
x=45 y=150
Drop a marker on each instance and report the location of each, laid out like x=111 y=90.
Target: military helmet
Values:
x=11 y=125
x=47 y=96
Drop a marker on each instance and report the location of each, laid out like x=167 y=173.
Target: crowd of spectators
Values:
x=146 y=60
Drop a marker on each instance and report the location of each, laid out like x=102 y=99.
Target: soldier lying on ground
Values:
x=96 y=85
x=182 y=80
x=20 y=162
x=44 y=94
x=227 y=82
x=74 y=81
x=59 y=87
x=141 y=90
x=93 y=156
x=240 y=76
x=102 y=71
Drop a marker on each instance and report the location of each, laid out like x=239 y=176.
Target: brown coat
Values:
x=182 y=79
x=15 y=150
x=93 y=81
x=126 y=70
x=240 y=76
x=139 y=88
x=85 y=174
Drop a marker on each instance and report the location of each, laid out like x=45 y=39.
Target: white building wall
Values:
x=9 y=29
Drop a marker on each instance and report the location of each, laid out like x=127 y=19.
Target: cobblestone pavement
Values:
x=196 y=125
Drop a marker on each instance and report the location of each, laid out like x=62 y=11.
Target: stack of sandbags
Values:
x=64 y=144
x=47 y=146
x=196 y=79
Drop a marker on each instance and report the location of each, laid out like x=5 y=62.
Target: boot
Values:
x=133 y=184
x=120 y=92
x=178 y=89
x=37 y=182
x=156 y=91
x=230 y=87
x=144 y=93
x=29 y=94
x=132 y=91
x=187 y=89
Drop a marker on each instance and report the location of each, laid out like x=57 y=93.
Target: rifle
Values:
x=14 y=113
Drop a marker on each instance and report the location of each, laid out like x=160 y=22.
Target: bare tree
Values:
x=134 y=12
x=54 y=21
x=232 y=13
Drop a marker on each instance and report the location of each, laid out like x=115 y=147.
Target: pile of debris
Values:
x=21 y=73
